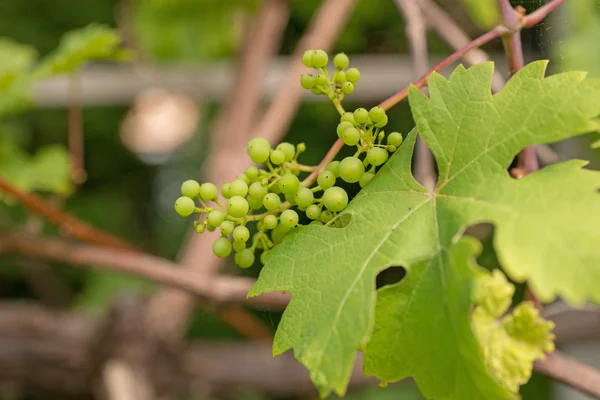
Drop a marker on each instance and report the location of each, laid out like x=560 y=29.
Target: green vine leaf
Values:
x=94 y=42
x=541 y=221
x=15 y=75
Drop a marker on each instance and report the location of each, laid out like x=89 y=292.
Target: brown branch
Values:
x=71 y=225
x=75 y=120
x=221 y=289
x=571 y=372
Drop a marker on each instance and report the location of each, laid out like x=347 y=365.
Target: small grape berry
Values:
x=245 y=258
x=208 y=191
x=347 y=88
x=361 y=115
x=185 y=206
x=238 y=188
x=307 y=58
x=259 y=150
x=366 y=178
x=237 y=207
x=341 y=61
x=277 y=157
x=335 y=199
x=351 y=169
x=190 y=188
x=313 y=211
x=308 y=81
x=352 y=75
x=216 y=217
x=377 y=156
x=270 y=222
x=241 y=234
x=377 y=114
x=289 y=218
x=288 y=149
x=326 y=179
x=289 y=184
x=271 y=201
x=395 y=139
x=319 y=59
x=222 y=247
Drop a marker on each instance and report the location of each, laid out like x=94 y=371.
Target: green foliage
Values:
x=421 y=326
x=15 y=75
x=484 y=12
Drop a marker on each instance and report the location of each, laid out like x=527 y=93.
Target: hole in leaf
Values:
x=425 y=176
x=340 y=221
x=390 y=276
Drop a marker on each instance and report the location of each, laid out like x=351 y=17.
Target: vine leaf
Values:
x=546 y=233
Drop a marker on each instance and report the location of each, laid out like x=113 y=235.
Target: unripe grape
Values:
x=307 y=58
x=366 y=178
x=184 y=206
x=208 y=191
x=341 y=61
x=257 y=191
x=351 y=136
x=347 y=88
x=335 y=199
x=334 y=167
x=227 y=227
x=348 y=117
x=319 y=59
x=222 y=247
x=377 y=114
x=225 y=190
x=277 y=157
x=190 y=188
x=241 y=234
x=326 y=216
x=377 y=156
x=340 y=77
x=288 y=149
x=352 y=75
x=321 y=80
x=313 y=211
x=395 y=139
x=252 y=172
x=289 y=218
x=341 y=128
x=304 y=197
x=243 y=178
x=256 y=239
x=245 y=258
x=318 y=223
x=316 y=90
x=199 y=227
x=382 y=123
x=308 y=81
x=301 y=148
x=211 y=228
x=216 y=217
x=238 y=246
x=263 y=256
x=259 y=150
x=289 y=184
x=361 y=115
x=390 y=148
x=271 y=201
x=238 y=188
x=326 y=179
x=254 y=204
x=351 y=169
x=270 y=222
x=237 y=207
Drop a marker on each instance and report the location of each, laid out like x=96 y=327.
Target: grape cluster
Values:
x=271 y=193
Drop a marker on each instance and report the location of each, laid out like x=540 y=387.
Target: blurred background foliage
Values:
x=131 y=195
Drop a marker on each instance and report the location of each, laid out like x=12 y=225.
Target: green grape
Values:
x=316 y=90
x=288 y=149
x=227 y=227
x=252 y=172
x=199 y=227
x=395 y=139
x=348 y=117
x=321 y=80
x=391 y=148
x=290 y=198
x=222 y=247
x=347 y=88
x=208 y=191
x=184 y=206
x=341 y=128
x=318 y=223
x=300 y=148
x=377 y=114
x=243 y=178
x=331 y=96
x=326 y=179
x=271 y=201
x=225 y=190
x=341 y=61
x=245 y=258
x=351 y=137
x=361 y=115
x=366 y=178
x=304 y=197
x=255 y=204
x=352 y=75
x=377 y=156
x=351 y=169
x=237 y=207
x=270 y=222
x=307 y=58
x=277 y=157
x=239 y=246
x=382 y=123
x=190 y=188
x=326 y=216
x=334 y=167
x=241 y=234
x=211 y=228
x=380 y=136
x=264 y=181
x=238 y=188
x=313 y=211
x=278 y=233
x=340 y=77
x=289 y=218
x=319 y=59
x=256 y=239
x=263 y=256
x=216 y=217
x=259 y=150
x=289 y=184
x=257 y=191
x=308 y=81
x=335 y=199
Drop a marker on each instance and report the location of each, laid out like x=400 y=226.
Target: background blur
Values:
x=147 y=127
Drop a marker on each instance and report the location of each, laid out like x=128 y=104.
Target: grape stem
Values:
x=284 y=206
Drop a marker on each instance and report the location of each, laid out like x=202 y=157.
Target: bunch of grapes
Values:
x=271 y=194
